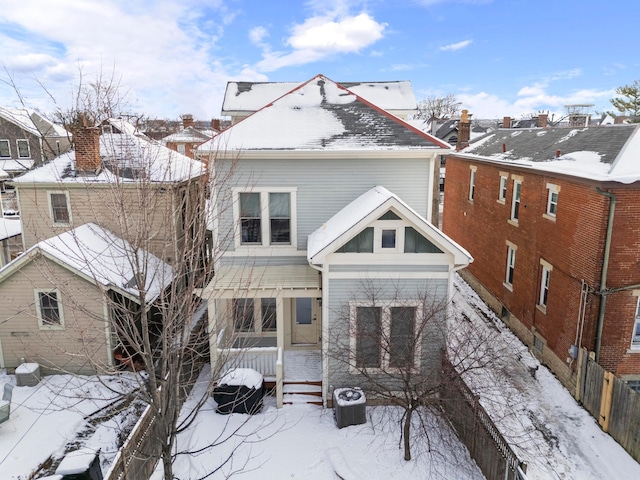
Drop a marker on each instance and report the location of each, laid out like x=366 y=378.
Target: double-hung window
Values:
x=552 y=201
x=635 y=341
x=502 y=193
x=384 y=336
x=266 y=217
x=5 y=149
x=515 y=201
x=59 y=205
x=472 y=183
x=23 y=149
x=544 y=285
x=49 y=309
x=511 y=265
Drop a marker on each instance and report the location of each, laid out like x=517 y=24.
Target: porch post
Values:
x=280 y=344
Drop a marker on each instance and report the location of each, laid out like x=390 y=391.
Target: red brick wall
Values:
x=573 y=244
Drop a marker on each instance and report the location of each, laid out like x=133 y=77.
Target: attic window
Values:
x=361 y=243
x=390 y=216
x=414 y=242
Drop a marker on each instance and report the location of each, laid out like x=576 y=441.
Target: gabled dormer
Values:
x=378 y=228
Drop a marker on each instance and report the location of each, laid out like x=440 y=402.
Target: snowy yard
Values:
x=549 y=431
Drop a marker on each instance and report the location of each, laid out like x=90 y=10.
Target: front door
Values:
x=305 y=322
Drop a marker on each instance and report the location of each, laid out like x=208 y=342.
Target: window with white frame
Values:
x=511 y=265
x=384 y=336
x=5 y=149
x=182 y=148
x=515 y=200
x=23 y=149
x=635 y=341
x=49 y=309
x=266 y=217
x=472 y=183
x=254 y=315
x=59 y=207
x=552 y=199
x=502 y=193
x=544 y=285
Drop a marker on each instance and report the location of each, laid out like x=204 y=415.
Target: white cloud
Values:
x=321 y=36
x=257 y=35
x=457 y=46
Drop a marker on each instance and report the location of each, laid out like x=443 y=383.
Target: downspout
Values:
x=605 y=268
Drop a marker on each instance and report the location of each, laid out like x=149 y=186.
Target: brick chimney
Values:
x=86 y=140
x=187 y=120
x=506 y=122
x=215 y=124
x=464 y=130
x=542 y=120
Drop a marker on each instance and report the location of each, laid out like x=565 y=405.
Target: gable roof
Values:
x=606 y=153
x=120 y=153
x=247 y=97
x=32 y=122
x=369 y=207
x=321 y=115
x=188 y=135
x=99 y=256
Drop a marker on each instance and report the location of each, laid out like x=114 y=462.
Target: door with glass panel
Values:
x=305 y=322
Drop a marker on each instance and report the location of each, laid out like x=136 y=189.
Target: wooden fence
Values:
x=611 y=402
x=477 y=431
x=137 y=458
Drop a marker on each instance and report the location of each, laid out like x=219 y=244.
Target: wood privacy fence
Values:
x=477 y=431
x=137 y=458
x=610 y=401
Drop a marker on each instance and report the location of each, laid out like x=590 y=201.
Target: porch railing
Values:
x=261 y=359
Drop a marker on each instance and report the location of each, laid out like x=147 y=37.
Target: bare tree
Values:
x=435 y=107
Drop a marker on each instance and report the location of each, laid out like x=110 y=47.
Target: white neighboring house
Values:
x=310 y=218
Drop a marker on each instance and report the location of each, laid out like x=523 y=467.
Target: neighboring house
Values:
x=306 y=225
x=10 y=240
x=84 y=217
x=27 y=139
x=190 y=136
x=551 y=218
x=57 y=298
x=241 y=99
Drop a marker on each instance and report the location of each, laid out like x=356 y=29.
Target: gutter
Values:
x=605 y=267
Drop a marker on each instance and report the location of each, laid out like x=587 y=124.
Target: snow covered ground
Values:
x=555 y=436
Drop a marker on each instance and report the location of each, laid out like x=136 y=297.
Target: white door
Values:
x=305 y=322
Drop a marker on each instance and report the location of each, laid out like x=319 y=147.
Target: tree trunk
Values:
x=406 y=433
x=166 y=463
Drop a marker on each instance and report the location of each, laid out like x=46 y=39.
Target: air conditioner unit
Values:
x=350 y=405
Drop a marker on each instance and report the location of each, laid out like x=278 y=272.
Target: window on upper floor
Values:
x=23 y=149
x=511 y=265
x=552 y=201
x=502 y=193
x=515 y=201
x=182 y=149
x=49 y=309
x=544 y=285
x=472 y=183
x=635 y=341
x=266 y=217
x=5 y=149
x=59 y=208
x=384 y=336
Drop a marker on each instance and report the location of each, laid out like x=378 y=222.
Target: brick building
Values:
x=551 y=216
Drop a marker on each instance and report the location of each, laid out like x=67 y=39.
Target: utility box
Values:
x=81 y=464
x=27 y=375
x=240 y=390
x=350 y=406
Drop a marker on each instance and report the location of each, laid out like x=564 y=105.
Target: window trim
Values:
x=516 y=200
x=502 y=192
x=8 y=146
x=265 y=220
x=472 y=182
x=41 y=324
x=18 y=148
x=545 y=280
x=385 y=320
x=51 y=214
x=257 y=321
x=551 y=190
x=510 y=265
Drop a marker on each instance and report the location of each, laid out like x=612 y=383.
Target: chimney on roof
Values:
x=187 y=120
x=464 y=130
x=215 y=124
x=86 y=140
x=542 y=120
x=506 y=122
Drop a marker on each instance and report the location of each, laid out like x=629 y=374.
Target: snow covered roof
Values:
x=10 y=227
x=604 y=153
x=32 y=122
x=374 y=203
x=103 y=257
x=188 y=135
x=127 y=156
x=251 y=96
x=3 y=174
x=321 y=115
x=14 y=165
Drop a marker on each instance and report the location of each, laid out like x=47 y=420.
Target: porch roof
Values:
x=284 y=277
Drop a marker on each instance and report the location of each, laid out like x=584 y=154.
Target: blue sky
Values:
x=499 y=57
